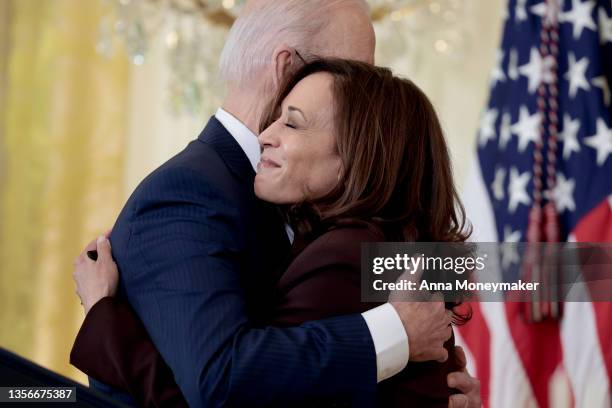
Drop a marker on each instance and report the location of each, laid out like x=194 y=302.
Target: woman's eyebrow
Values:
x=294 y=109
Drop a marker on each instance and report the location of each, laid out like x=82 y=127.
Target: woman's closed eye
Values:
x=290 y=125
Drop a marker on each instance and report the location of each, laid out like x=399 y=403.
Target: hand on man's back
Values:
x=428 y=326
x=425 y=319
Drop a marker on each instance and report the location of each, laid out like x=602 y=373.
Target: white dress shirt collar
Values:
x=242 y=134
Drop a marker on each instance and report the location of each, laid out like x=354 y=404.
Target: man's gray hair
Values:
x=257 y=32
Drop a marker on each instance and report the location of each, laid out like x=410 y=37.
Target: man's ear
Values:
x=282 y=58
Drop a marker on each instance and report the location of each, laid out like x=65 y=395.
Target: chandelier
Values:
x=192 y=33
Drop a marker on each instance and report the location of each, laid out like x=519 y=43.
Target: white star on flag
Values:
x=538 y=69
x=580 y=16
x=513 y=73
x=527 y=128
x=601 y=141
x=569 y=136
x=504 y=14
x=505 y=133
x=498 y=183
x=487 y=126
x=517 y=189
x=509 y=252
x=576 y=74
x=520 y=11
x=602 y=83
x=605 y=26
x=497 y=75
x=549 y=11
x=563 y=193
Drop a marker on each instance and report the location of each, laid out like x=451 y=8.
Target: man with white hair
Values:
x=260 y=49
x=196 y=248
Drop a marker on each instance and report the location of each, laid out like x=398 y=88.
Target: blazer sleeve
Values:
x=113 y=346
x=182 y=273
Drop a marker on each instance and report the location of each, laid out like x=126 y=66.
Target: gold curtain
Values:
x=62 y=131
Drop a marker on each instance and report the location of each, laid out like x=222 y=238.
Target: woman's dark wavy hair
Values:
x=397 y=175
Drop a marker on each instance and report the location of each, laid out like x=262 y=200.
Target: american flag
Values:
x=545 y=140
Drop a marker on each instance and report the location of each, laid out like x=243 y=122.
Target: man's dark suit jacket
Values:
x=322 y=281
x=197 y=254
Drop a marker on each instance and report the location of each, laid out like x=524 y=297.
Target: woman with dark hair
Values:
x=372 y=150
x=351 y=154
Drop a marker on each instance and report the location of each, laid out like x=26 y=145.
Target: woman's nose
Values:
x=269 y=137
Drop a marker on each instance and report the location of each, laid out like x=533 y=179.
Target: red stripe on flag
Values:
x=476 y=336
x=539 y=348
x=596 y=226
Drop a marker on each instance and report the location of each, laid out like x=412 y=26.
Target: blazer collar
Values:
x=217 y=136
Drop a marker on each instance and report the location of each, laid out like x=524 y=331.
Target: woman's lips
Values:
x=267 y=163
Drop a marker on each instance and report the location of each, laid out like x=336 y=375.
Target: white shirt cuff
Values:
x=390 y=340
